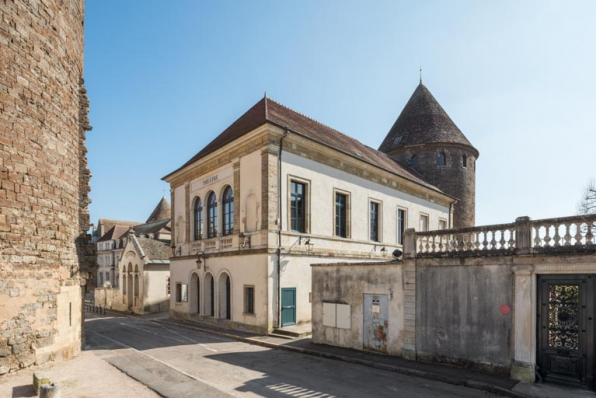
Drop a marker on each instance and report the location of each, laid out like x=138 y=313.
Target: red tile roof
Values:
x=269 y=111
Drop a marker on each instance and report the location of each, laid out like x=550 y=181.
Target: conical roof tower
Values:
x=161 y=212
x=423 y=121
x=426 y=138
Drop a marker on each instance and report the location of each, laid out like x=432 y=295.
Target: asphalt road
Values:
x=177 y=362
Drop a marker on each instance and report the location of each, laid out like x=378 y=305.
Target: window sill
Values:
x=249 y=314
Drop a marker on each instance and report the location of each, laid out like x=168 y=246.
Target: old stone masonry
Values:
x=44 y=181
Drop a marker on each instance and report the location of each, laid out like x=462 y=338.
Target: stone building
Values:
x=112 y=240
x=273 y=193
x=426 y=138
x=142 y=275
x=516 y=299
x=44 y=181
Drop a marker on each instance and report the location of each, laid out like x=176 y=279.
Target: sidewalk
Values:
x=444 y=373
x=87 y=375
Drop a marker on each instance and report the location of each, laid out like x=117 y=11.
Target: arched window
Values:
x=212 y=215
x=198 y=219
x=442 y=159
x=414 y=161
x=464 y=161
x=228 y=211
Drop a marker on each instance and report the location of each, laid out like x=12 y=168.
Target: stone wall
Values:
x=44 y=181
x=452 y=178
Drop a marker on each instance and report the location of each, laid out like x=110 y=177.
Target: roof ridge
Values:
x=314 y=120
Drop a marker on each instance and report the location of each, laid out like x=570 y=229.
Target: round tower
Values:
x=425 y=138
x=44 y=181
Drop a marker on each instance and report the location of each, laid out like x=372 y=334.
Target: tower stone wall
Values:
x=453 y=177
x=44 y=181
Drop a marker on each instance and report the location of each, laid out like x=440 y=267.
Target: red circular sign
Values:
x=504 y=309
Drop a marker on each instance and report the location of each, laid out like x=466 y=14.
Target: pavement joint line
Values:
x=473 y=384
x=157 y=360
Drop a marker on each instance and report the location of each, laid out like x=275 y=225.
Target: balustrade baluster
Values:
x=557 y=237
x=502 y=241
x=485 y=241
x=537 y=239
x=568 y=234
x=578 y=234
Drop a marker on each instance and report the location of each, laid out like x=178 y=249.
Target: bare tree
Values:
x=587 y=204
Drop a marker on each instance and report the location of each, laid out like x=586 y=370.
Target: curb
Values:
x=477 y=385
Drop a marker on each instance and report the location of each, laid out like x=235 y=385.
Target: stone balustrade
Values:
x=524 y=236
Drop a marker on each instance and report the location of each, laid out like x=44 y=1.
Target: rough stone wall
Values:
x=44 y=180
x=453 y=178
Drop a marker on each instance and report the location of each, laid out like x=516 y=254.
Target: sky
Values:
x=517 y=77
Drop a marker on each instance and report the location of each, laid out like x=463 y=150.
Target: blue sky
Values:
x=518 y=78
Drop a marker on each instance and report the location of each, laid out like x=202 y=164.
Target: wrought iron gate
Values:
x=566 y=329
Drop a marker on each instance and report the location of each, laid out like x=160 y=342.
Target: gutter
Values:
x=279 y=225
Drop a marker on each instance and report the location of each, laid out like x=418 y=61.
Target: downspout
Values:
x=279 y=226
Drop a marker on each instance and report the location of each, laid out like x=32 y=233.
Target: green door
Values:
x=288 y=306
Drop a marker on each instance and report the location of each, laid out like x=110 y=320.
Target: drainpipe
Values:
x=279 y=226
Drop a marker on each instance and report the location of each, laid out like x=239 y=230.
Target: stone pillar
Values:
x=237 y=200
x=187 y=214
x=410 y=243
x=173 y=216
x=523 y=235
x=524 y=324
x=269 y=182
x=409 y=278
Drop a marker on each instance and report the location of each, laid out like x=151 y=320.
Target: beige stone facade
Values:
x=240 y=278
x=44 y=181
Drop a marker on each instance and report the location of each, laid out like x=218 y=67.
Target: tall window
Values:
x=442 y=159
x=401 y=226
x=212 y=215
x=228 y=211
x=341 y=213
x=442 y=224
x=298 y=207
x=464 y=161
x=198 y=212
x=374 y=221
x=423 y=222
x=414 y=161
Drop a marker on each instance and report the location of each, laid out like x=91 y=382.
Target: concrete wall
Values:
x=347 y=284
x=44 y=181
x=457 y=313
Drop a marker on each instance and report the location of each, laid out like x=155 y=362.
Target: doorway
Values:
x=288 y=306
x=565 y=349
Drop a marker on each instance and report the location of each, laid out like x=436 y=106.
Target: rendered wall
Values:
x=457 y=314
x=44 y=181
x=347 y=284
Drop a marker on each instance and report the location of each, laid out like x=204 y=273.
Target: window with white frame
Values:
x=442 y=224
x=402 y=221
x=423 y=222
x=374 y=221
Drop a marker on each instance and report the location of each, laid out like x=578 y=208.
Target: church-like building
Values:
x=278 y=191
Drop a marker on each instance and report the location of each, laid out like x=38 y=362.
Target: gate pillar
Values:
x=524 y=324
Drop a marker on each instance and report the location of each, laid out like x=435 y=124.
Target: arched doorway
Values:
x=195 y=294
x=209 y=294
x=225 y=290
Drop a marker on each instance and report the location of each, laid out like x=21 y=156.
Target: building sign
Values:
x=212 y=179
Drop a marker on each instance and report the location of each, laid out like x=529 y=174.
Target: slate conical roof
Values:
x=423 y=121
x=161 y=212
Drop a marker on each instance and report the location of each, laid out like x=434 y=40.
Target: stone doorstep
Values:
x=295 y=332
